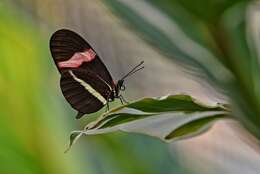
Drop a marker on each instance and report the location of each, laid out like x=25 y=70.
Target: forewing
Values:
x=84 y=90
x=70 y=51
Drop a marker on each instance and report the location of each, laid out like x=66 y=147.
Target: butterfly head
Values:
x=120 y=83
x=119 y=87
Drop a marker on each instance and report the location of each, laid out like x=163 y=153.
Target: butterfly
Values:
x=85 y=81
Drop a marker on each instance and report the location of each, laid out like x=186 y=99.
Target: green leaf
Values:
x=193 y=128
x=74 y=136
x=152 y=106
x=183 y=103
x=167 y=118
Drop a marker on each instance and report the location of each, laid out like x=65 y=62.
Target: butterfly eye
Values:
x=122 y=88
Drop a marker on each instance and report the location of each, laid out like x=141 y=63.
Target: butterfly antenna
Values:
x=134 y=70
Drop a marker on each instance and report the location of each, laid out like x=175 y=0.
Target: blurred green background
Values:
x=35 y=120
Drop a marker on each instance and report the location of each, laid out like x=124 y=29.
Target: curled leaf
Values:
x=167 y=118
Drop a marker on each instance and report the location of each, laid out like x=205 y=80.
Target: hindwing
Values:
x=84 y=90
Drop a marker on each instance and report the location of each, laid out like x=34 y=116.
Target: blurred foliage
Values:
x=133 y=154
x=214 y=39
x=26 y=124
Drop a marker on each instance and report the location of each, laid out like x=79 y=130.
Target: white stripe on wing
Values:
x=89 y=88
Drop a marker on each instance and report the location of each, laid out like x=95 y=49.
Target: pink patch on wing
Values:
x=77 y=59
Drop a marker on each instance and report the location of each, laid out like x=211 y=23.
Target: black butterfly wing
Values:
x=84 y=90
x=70 y=51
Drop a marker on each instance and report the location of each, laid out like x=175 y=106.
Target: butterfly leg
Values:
x=107 y=107
x=123 y=100
x=107 y=104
